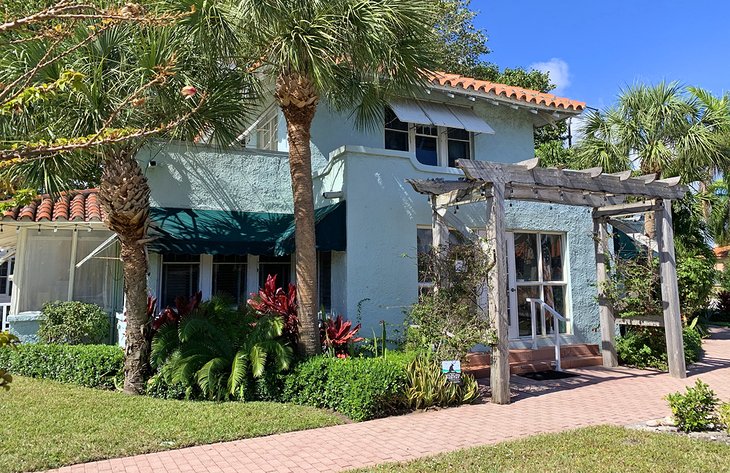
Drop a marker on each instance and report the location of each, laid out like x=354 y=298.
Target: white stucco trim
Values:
x=343 y=151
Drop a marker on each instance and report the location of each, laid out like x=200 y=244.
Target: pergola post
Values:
x=608 y=321
x=670 y=292
x=439 y=234
x=499 y=376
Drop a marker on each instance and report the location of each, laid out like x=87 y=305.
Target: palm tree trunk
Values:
x=649 y=218
x=298 y=100
x=125 y=196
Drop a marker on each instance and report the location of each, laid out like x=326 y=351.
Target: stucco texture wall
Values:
x=384 y=213
x=203 y=177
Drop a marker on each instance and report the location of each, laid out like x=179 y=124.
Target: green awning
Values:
x=192 y=231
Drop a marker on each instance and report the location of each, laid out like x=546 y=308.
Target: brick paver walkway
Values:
x=597 y=396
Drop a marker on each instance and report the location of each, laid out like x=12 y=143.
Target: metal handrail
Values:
x=556 y=326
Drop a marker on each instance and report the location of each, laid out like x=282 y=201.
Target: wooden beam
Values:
x=529 y=163
x=670 y=292
x=496 y=239
x=558 y=196
x=621 y=175
x=606 y=316
x=590 y=172
x=557 y=178
x=627 y=209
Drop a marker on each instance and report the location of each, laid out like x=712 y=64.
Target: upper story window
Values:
x=433 y=145
x=267 y=130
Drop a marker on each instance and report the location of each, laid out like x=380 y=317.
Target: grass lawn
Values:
x=47 y=424
x=599 y=449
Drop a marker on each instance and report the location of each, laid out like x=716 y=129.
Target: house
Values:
x=223 y=220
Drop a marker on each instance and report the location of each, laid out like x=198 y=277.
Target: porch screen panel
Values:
x=98 y=280
x=46 y=269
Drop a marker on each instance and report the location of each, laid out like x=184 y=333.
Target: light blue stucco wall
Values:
x=383 y=215
x=203 y=177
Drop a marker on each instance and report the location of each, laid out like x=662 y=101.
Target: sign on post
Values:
x=452 y=370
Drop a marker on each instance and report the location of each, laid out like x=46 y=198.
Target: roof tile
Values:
x=535 y=97
x=80 y=206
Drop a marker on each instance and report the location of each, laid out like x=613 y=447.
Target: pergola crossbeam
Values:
x=570 y=180
x=627 y=209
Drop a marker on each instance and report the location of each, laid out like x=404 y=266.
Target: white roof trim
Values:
x=6 y=257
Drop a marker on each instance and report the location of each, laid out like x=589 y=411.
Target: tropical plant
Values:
x=87 y=85
x=273 y=300
x=352 y=54
x=666 y=130
x=428 y=387
x=219 y=351
x=696 y=409
x=337 y=336
x=73 y=323
x=172 y=315
x=724 y=411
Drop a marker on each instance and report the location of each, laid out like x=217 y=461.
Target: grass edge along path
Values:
x=602 y=448
x=46 y=424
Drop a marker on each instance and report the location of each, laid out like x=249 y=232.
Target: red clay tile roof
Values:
x=74 y=206
x=457 y=81
x=721 y=251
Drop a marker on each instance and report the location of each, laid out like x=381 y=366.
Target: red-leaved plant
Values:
x=337 y=335
x=274 y=300
x=183 y=306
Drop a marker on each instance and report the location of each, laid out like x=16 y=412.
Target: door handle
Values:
x=512 y=289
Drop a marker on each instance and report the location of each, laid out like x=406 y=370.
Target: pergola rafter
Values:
x=609 y=195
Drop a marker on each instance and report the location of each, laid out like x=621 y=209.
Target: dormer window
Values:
x=424 y=130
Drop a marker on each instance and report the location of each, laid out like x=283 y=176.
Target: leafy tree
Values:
x=349 y=53
x=85 y=86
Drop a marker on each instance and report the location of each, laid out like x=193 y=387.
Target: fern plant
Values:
x=218 y=351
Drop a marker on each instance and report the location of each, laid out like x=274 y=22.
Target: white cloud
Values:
x=559 y=73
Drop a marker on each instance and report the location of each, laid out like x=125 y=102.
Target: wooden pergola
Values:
x=610 y=196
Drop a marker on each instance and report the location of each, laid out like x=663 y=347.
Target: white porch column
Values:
x=206 y=276
x=608 y=321
x=499 y=377
x=670 y=292
x=252 y=275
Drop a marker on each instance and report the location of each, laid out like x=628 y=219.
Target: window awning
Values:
x=437 y=114
x=188 y=231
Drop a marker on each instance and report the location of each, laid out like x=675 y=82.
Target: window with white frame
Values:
x=267 y=130
x=540 y=273
x=433 y=145
x=424 y=244
x=180 y=277
x=6 y=282
x=229 y=277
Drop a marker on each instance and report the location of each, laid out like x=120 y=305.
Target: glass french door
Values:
x=536 y=269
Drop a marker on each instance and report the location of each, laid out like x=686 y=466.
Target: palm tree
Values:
x=664 y=130
x=132 y=81
x=349 y=53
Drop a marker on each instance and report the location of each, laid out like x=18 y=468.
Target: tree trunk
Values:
x=649 y=218
x=298 y=101
x=125 y=196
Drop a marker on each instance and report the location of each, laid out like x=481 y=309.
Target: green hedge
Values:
x=360 y=388
x=646 y=347
x=93 y=366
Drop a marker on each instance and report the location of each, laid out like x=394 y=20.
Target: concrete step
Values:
x=542 y=359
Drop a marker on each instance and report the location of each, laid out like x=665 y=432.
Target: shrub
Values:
x=448 y=322
x=360 y=388
x=218 y=351
x=74 y=323
x=337 y=336
x=722 y=314
x=93 y=366
x=428 y=387
x=646 y=347
x=6 y=340
x=724 y=411
x=695 y=410
x=696 y=277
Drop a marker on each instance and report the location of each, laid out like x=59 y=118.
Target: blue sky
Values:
x=597 y=47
